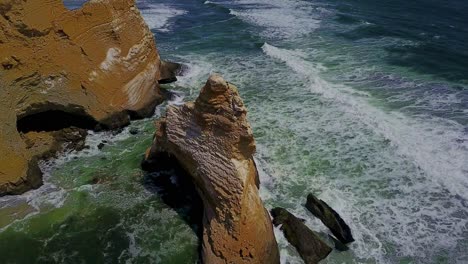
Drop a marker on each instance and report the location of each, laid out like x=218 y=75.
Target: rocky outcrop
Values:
x=329 y=218
x=311 y=248
x=97 y=65
x=212 y=139
x=169 y=72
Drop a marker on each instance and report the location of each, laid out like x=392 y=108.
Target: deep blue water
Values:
x=364 y=103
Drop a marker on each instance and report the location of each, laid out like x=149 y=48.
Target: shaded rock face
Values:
x=95 y=66
x=311 y=248
x=213 y=141
x=176 y=189
x=329 y=218
x=169 y=72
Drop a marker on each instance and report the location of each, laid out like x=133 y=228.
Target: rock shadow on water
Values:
x=168 y=179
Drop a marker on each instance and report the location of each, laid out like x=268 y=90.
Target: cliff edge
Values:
x=90 y=68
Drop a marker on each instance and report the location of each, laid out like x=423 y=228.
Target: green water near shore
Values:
x=384 y=142
x=117 y=220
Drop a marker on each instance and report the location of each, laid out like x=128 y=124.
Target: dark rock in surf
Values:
x=338 y=245
x=169 y=72
x=330 y=219
x=101 y=145
x=311 y=248
x=133 y=131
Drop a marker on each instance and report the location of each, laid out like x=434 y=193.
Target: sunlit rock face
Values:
x=97 y=65
x=212 y=139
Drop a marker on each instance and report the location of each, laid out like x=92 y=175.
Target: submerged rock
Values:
x=91 y=68
x=330 y=219
x=212 y=140
x=311 y=248
x=134 y=131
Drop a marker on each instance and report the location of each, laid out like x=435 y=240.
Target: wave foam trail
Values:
x=194 y=76
x=399 y=181
x=158 y=16
x=437 y=146
x=50 y=195
x=280 y=19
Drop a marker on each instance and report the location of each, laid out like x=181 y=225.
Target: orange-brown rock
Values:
x=212 y=139
x=98 y=63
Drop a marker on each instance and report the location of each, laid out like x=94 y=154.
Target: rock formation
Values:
x=169 y=72
x=213 y=141
x=329 y=218
x=311 y=248
x=95 y=66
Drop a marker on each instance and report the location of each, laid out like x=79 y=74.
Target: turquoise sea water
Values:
x=363 y=103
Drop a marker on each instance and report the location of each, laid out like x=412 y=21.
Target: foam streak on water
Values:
x=440 y=149
x=432 y=153
x=50 y=195
x=159 y=16
x=278 y=18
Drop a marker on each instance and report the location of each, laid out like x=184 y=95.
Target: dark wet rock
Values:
x=329 y=218
x=338 y=245
x=94 y=180
x=311 y=248
x=101 y=145
x=134 y=131
x=117 y=131
x=169 y=72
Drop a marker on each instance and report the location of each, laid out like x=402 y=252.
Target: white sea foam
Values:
x=410 y=194
x=194 y=76
x=280 y=19
x=159 y=16
x=440 y=149
x=50 y=195
x=155 y=225
x=330 y=140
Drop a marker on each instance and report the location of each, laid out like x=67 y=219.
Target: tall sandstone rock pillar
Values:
x=212 y=139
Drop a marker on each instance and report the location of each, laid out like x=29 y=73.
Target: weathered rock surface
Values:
x=95 y=65
x=212 y=139
x=311 y=248
x=329 y=218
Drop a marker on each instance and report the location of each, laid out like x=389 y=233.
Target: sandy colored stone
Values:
x=98 y=61
x=213 y=141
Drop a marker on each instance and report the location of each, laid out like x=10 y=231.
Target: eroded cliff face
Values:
x=96 y=65
x=212 y=139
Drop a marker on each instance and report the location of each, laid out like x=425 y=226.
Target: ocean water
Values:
x=363 y=103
